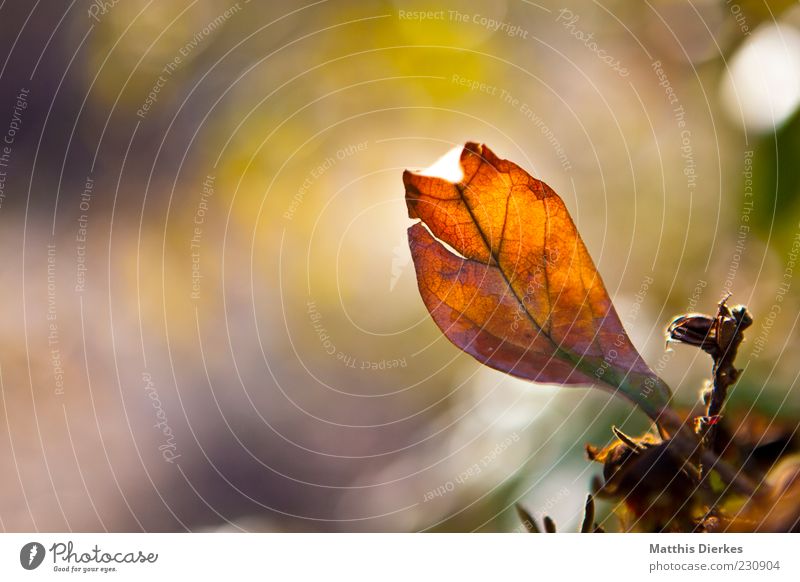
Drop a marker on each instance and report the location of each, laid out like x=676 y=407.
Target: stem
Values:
x=725 y=375
x=729 y=326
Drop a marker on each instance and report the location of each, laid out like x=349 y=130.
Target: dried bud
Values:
x=714 y=335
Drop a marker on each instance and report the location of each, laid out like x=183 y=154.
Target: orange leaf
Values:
x=523 y=295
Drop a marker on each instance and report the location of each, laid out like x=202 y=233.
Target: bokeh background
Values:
x=209 y=319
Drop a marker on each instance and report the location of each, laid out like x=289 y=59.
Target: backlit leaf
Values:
x=506 y=277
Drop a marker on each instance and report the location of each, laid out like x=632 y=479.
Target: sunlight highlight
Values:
x=448 y=167
x=762 y=87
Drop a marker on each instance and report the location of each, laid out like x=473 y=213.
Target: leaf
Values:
x=517 y=288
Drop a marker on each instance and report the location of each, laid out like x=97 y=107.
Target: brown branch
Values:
x=720 y=337
x=729 y=327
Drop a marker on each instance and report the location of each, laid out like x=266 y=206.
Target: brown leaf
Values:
x=519 y=291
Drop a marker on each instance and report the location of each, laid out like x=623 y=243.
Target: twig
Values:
x=730 y=324
x=720 y=337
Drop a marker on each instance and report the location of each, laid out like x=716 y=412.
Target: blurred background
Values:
x=210 y=319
